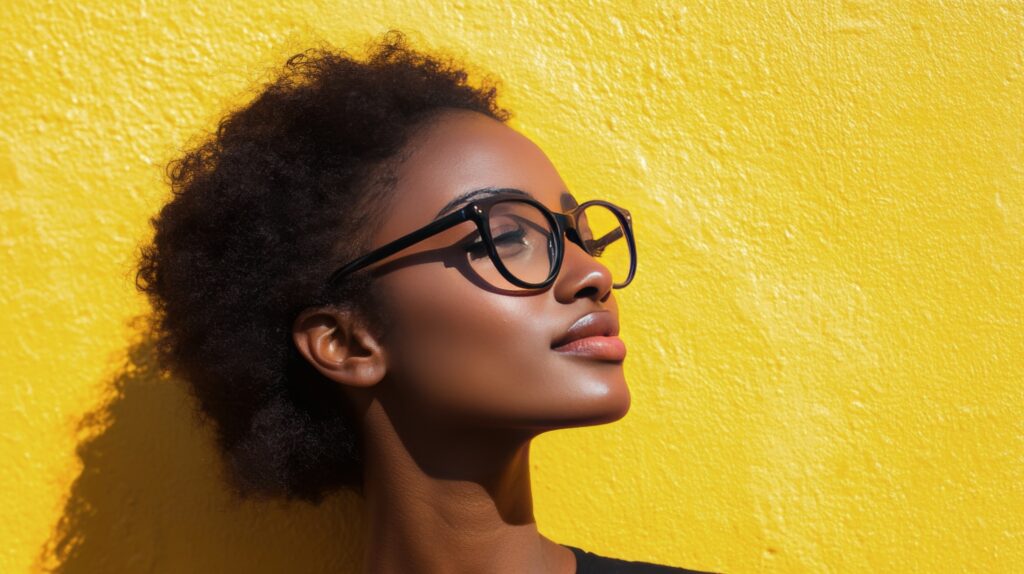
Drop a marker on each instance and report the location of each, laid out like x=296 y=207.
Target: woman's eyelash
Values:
x=477 y=249
x=480 y=249
x=517 y=233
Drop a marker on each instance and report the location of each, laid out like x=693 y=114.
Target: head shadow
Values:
x=150 y=495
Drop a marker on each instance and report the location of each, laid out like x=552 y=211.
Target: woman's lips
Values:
x=597 y=347
x=593 y=336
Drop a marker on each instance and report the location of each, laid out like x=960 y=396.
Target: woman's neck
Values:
x=451 y=501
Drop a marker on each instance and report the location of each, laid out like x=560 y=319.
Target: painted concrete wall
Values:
x=826 y=334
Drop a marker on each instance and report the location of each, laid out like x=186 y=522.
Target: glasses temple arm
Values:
x=597 y=245
x=401 y=243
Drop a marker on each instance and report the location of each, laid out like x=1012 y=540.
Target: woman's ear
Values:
x=340 y=346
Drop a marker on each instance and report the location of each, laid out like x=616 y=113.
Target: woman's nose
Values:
x=581 y=275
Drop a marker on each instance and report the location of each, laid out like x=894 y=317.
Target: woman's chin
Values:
x=599 y=402
x=614 y=406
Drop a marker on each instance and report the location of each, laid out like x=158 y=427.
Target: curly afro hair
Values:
x=288 y=187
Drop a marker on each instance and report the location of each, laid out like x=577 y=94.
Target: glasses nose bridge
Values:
x=570 y=228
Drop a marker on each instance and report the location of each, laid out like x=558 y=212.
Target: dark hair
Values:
x=289 y=186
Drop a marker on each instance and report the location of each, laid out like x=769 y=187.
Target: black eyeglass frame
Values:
x=565 y=225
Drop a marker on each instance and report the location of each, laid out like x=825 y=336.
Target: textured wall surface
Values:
x=826 y=333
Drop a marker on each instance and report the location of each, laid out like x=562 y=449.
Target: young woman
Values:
x=368 y=280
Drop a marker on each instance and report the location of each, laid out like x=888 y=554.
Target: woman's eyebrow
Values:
x=477 y=194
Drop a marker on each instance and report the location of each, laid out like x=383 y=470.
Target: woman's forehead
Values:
x=462 y=153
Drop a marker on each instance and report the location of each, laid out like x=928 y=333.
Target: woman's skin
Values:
x=451 y=396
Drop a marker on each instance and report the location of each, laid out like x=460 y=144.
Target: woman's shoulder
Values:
x=590 y=563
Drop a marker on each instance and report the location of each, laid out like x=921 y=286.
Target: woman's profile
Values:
x=368 y=280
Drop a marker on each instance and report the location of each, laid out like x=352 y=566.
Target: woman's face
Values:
x=459 y=353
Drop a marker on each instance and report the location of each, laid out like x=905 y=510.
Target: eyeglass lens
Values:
x=605 y=239
x=525 y=243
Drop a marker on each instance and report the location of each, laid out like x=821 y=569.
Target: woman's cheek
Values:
x=464 y=350
x=432 y=348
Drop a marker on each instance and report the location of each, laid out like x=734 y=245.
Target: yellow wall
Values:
x=826 y=334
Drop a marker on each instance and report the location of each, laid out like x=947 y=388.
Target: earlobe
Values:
x=338 y=344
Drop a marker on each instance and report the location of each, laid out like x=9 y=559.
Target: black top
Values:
x=590 y=563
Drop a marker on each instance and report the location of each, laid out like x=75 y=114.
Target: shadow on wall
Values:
x=150 y=497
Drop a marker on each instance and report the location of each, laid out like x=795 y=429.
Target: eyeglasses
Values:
x=520 y=240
